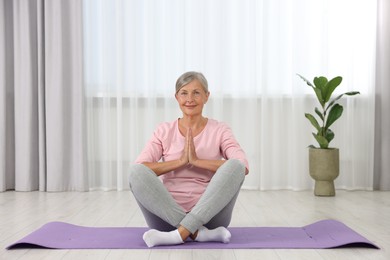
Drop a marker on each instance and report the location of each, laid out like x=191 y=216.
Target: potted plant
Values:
x=324 y=160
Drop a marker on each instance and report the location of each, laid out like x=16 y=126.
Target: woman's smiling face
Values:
x=191 y=98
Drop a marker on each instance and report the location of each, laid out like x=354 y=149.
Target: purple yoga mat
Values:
x=322 y=234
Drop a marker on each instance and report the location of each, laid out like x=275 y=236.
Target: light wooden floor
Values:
x=368 y=213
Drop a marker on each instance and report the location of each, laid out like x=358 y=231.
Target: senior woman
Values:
x=187 y=178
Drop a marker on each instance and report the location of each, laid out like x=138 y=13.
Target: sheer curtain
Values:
x=250 y=51
x=134 y=50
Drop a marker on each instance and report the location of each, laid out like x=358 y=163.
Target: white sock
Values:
x=220 y=234
x=154 y=237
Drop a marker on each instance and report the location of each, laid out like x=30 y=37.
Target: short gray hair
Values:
x=189 y=77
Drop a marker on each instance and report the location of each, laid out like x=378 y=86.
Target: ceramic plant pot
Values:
x=324 y=169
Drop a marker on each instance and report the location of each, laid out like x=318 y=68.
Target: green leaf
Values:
x=307 y=82
x=319 y=96
x=329 y=135
x=352 y=93
x=320 y=82
x=313 y=121
x=331 y=86
x=335 y=112
x=321 y=141
x=318 y=112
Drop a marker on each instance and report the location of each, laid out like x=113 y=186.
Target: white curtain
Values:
x=382 y=100
x=250 y=52
x=134 y=50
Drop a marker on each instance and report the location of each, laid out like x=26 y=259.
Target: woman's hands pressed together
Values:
x=188 y=157
x=189 y=153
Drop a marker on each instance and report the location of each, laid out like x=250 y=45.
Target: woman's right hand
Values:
x=161 y=168
x=184 y=159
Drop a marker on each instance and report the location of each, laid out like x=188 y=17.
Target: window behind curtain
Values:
x=243 y=47
x=250 y=52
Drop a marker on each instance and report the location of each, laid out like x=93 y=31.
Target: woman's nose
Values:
x=190 y=97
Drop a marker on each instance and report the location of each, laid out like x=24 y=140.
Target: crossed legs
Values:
x=207 y=221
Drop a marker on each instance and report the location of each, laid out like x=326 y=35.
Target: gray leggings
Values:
x=214 y=208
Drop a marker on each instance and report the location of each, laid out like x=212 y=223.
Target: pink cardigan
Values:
x=187 y=184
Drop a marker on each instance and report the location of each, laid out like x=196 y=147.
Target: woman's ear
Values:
x=207 y=97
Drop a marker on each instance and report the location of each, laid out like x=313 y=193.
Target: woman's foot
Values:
x=220 y=234
x=154 y=237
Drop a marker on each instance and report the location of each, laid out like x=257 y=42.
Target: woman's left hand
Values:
x=211 y=165
x=192 y=157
